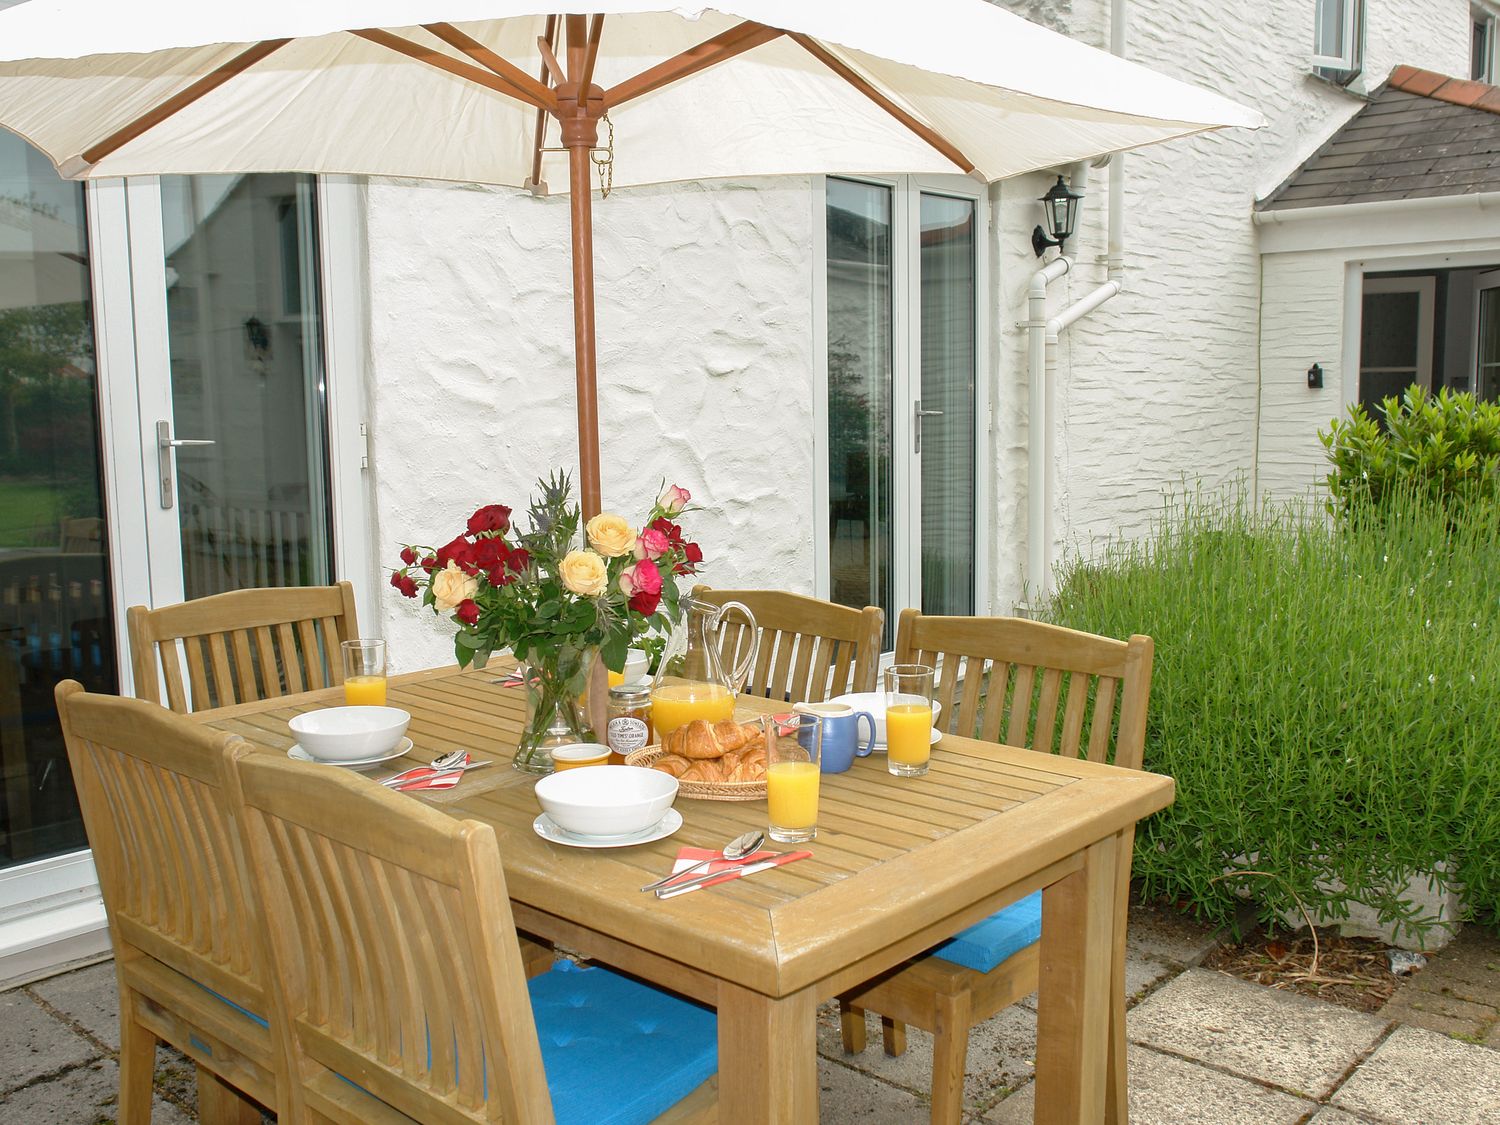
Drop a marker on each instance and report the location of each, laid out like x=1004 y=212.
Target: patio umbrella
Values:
x=515 y=91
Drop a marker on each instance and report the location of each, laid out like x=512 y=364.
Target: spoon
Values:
x=736 y=849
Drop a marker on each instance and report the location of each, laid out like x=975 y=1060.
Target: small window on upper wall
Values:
x=1482 y=44
x=1338 y=39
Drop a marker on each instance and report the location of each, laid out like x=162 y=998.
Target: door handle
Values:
x=165 y=443
x=917 y=415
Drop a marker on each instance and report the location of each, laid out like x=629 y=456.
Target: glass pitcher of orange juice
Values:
x=691 y=681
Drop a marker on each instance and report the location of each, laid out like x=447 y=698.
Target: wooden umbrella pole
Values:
x=580 y=133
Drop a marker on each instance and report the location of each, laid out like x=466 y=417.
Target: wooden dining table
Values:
x=899 y=864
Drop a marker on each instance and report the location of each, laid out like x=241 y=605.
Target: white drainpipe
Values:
x=1042 y=352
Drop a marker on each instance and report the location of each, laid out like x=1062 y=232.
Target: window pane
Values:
x=1489 y=345
x=1328 y=28
x=1388 y=330
x=859 y=395
x=245 y=336
x=55 y=616
x=1479 y=50
x=948 y=372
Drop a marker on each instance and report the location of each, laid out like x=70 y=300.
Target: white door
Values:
x=168 y=430
x=1487 y=342
x=901 y=403
x=1396 y=334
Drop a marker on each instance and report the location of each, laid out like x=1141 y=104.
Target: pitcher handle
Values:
x=742 y=669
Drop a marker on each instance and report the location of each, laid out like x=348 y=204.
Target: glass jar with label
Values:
x=629 y=720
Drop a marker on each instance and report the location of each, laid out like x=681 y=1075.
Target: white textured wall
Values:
x=705 y=360
x=1160 y=385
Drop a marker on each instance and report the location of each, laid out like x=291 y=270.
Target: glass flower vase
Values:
x=554 y=683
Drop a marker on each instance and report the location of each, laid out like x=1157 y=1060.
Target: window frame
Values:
x=906 y=198
x=1483 y=15
x=1342 y=68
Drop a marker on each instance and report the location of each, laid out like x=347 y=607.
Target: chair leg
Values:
x=137 y=1065
x=893 y=1036
x=950 y=1054
x=536 y=956
x=219 y=1103
x=851 y=1027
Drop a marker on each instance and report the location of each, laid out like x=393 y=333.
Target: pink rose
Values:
x=642 y=578
x=674 y=499
x=651 y=544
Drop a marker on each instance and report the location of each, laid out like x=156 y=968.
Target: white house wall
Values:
x=705 y=360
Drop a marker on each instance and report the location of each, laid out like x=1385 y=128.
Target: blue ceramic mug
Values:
x=841 y=741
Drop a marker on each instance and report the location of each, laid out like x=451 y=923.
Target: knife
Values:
x=733 y=872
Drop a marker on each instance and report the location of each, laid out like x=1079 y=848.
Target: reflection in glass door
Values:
x=55 y=614
x=1487 y=359
x=242 y=455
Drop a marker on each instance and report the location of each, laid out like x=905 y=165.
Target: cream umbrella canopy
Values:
x=514 y=91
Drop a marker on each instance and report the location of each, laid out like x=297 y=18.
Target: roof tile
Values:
x=1415 y=81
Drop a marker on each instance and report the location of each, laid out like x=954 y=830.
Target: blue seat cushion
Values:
x=618 y=1052
x=985 y=944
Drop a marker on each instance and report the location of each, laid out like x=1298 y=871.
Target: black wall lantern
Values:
x=1060 y=213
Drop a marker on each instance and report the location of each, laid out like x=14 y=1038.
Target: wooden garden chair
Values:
x=187 y=956
x=810 y=650
x=241 y=646
x=1049 y=689
x=401 y=981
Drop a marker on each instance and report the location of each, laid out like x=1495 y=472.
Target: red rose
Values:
x=459 y=551
x=491 y=517
x=669 y=529
x=641 y=583
x=499 y=576
x=404 y=583
x=408 y=556
x=519 y=559
x=645 y=604
x=467 y=611
x=430 y=563
x=489 y=552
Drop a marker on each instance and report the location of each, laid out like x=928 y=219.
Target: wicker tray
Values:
x=702 y=790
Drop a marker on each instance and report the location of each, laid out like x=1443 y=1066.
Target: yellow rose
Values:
x=610 y=535
x=451 y=586
x=583 y=572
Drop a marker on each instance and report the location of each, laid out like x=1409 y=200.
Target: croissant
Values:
x=672 y=764
x=702 y=739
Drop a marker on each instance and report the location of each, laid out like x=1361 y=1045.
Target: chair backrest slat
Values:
x=810 y=650
x=241 y=646
x=1045 y=687
x=422 y=998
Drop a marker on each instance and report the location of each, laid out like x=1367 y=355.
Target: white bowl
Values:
x=874 y=703
x=346 y=734
x=636 y=663
x=606 y=800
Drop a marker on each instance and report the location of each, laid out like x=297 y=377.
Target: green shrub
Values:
x=1326 y=696
x=1447 y=446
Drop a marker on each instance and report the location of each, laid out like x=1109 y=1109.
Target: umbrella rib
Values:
x=549 y=60
x=591 y=55
x=538 y=93
x=863 y=85
x=179 y=101
x=431 y=57
x=726 y=45
x=550 y=34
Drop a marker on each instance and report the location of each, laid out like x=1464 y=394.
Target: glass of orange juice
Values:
x=794 y=743
x=908 y=719
x=364 y=672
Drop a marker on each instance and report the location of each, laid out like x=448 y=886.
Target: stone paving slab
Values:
x=1419 y=1077
x=1332 y=1115
x=1458 y=993
x=1141 y=975
x=88 y=997
x=35 y=1043
x=850 y=1097
x=1168 y=1091
x=1165 y=935
x=85 y=1095
x=1305 y=1046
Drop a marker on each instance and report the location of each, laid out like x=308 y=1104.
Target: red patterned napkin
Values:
x=686 y=857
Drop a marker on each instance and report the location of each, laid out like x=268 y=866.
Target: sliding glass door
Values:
x=903 y=397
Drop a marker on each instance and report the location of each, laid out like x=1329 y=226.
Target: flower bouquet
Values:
x=553 y=601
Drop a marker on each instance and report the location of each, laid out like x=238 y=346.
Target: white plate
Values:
x=297 y=754
x=548 y=830
x=936 y=734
